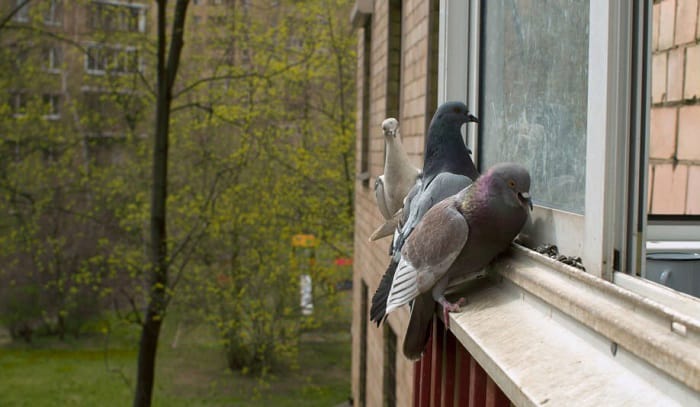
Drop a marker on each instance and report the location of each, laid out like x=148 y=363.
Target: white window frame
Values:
x=22 y=15
x=96 y=70
x=54 y=14
x=112 y=56
x=141 y=19
x=53 y=59
x=650 y=323
x=18 y=103
x=54 y=103
x=595 y=235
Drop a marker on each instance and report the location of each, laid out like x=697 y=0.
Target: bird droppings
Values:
x=552 y=251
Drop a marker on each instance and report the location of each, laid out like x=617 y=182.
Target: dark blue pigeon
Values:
x=447 y=169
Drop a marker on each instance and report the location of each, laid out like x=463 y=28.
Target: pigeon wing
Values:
x=380 y=194
x=429 y=252
x=441 y=187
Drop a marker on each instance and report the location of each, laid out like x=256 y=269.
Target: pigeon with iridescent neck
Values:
x=456 y=238
x=447 y=169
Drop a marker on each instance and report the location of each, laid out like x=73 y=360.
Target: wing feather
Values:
x=429 y=252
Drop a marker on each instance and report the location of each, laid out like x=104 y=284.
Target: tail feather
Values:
x=377 y=312
x=418 y=330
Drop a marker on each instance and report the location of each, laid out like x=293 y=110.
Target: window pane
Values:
x=534 y=95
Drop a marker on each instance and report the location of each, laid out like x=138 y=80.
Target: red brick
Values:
x=692 y=205
x=692 y=69
x=655 y=27
x=663 y=132
x=686 y=18
x=669 y=189
x=689 y=133
x=658 y=77
x=667 y=24
x=674 y=75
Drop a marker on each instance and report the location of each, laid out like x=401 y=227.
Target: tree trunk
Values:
x=159 y=262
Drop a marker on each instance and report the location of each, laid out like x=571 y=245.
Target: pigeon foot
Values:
x=448 y=307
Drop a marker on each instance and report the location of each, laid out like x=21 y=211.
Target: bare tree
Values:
x=159 y=263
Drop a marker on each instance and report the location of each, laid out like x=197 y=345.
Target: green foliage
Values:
x=261 y=148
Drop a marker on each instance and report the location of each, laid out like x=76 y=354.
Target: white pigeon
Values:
x=399 y=177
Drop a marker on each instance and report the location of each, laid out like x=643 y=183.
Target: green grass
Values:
x=81 y=373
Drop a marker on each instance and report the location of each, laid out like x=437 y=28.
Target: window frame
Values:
x=124 y=14
x=54 y=58
x=22 y=11
x=53 y=101
x=597 y=236
x=612 y=235
x=53 y=15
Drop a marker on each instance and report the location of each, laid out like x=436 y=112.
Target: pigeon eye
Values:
x=511 y=183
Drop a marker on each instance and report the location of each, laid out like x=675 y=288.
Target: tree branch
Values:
x=12 y=13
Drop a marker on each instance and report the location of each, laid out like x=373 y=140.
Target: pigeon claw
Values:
x=448 y=307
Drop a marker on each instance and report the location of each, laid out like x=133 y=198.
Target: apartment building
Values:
x=82 y=53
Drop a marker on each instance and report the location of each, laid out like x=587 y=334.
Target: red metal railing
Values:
x=448 y=376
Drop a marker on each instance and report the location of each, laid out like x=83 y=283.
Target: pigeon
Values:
x=392 y=187
x=447 y=169
x=456 y=238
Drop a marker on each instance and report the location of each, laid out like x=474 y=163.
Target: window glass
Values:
x=534 y=94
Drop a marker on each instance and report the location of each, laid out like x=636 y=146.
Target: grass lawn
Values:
x=82 y=373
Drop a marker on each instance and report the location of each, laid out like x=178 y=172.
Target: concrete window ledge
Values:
x=549 y=334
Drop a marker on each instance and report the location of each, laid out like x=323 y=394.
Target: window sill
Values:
x=550 y=334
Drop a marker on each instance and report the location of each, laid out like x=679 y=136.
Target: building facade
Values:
x=576 y=91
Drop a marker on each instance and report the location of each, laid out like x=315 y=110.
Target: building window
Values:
x=125 y=60
x=53 y=14
x=53 y=58
x=52 y=103
x=389 y=366
x=18 y=103
x=22 y=14
x=534 y=87
x=366 y=77
x=117 y=17
x=114 y=59
x=572 y=105
x=95 y=59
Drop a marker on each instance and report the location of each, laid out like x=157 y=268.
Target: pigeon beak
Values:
x=472 y=118
x=525 y=198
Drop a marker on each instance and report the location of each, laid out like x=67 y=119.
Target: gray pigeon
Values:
x=399 y=177
x=447 y=169
x=457 y=237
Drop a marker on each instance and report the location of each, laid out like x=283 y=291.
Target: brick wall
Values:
x=674 y=162
x=372 y=258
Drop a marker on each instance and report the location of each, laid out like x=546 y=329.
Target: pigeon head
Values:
x=445 y=148
x=455 y=114
x=389 y=127
x=513 y=180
